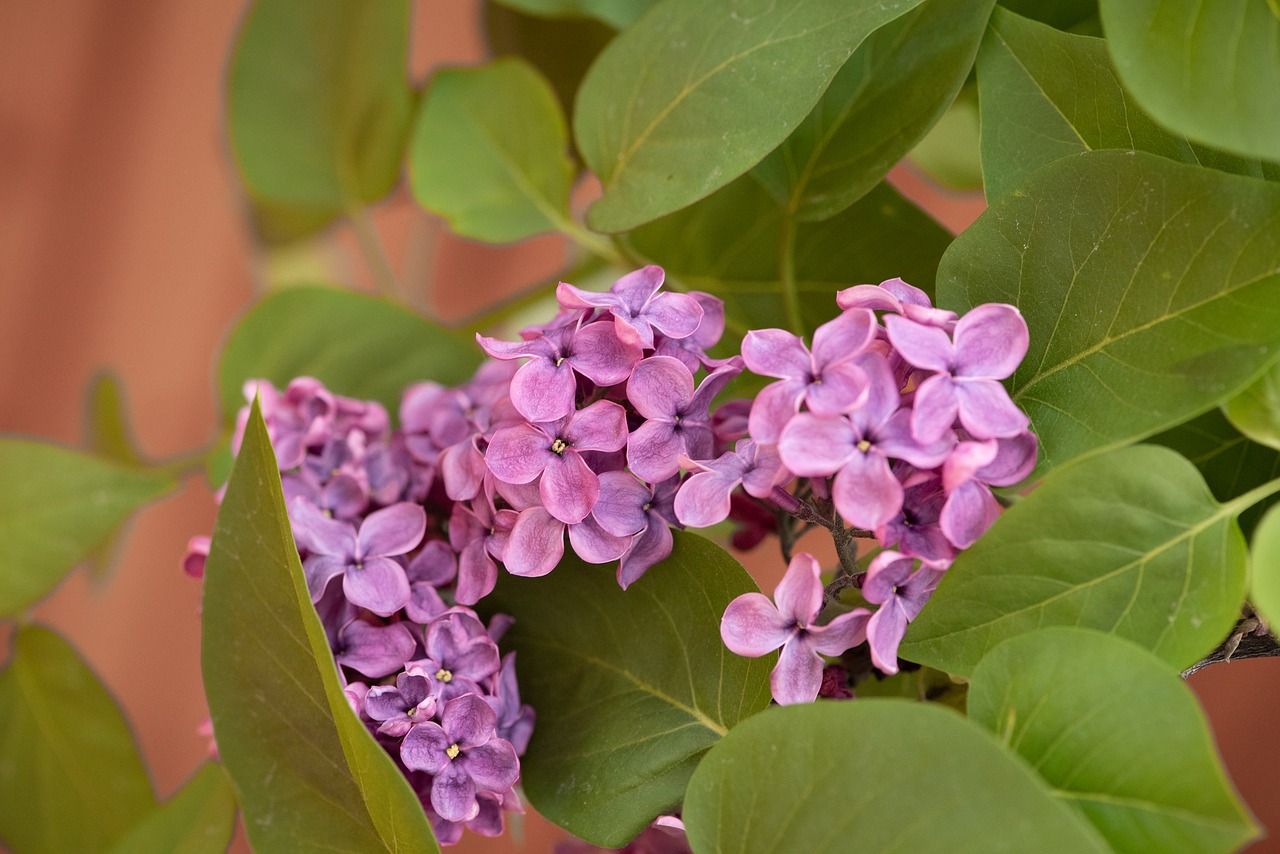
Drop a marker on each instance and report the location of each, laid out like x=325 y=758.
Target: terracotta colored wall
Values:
x=121 y=246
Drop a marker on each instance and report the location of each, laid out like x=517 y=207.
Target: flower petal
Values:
x=569 y=487
x=925 y=347
x=774 y=407
x=543 y=391
x=594 y=544
x=752 y=626
x=776 y=353
x=620 y=507
x=816 y=446
x=884 y=633
x=934 y=409
x=799 y=593
x=653 y=450
x=375 y=651
x=518 y=454
x=843 y=338
x=423 y=749
x=379 y=584
x=674 y=315
x=536 y=543
x=600 y=355
x=453 y=794
x=649 y=547
x=986 y=410
x=865 y=491
x=843 y=633
x=393 y=530
x=659 y=387
x=703 y=500
x=493 y=766
x=798 y=674
x=602 y=426
x=991 y=341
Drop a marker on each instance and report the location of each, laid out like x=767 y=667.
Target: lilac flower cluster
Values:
x=900 y=422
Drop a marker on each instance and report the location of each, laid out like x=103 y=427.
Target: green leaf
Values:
x=318 y=107
x=1063 y=14
x=872 y=775
x=674 y=107
x=1255 y=412
x=59 y=507
x=727 y=245
x=896 y=85
x=949 y=153
x=1230 y=464
x=108 y=435
x=1151 y=291
x=356 y=345
x=1207 y=70
x=199 y=818
x=1264 y=561
x=616 y=13
x=467 y=165
x=1047 y=94
x=309 y=775
x=1130 y=542
x=70 y=779
x=631 y=687
x=1144 y=773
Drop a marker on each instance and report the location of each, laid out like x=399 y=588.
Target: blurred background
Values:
x=124 y=246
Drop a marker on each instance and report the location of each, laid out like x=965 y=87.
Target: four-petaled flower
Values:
x=637 y=307
x=900 y=595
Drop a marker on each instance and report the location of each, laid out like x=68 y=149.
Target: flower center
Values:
x=444 y=676
x=558 y=446
x=864 y=446
x=452 y=751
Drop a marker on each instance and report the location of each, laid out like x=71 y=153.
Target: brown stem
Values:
x=1240 y=644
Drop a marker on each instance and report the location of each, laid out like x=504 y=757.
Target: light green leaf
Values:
x=873 y=775
x=318 y=107
x=71 y=779
x=356 y=345
x=59 y=507
x=1151 y=291
x=1207 y=70
x=728 y=244
x=675 y=107
x=949 y=153
x=1255 y=412
x=898 y=82
x=468 y=166
x=1264 y=562
x=1047 y=94
x=108 y=435
x=616 y=13
x=631 y=687
x=1146 y=773
x=1129 y=542
x=309 y=775
x=199 y=819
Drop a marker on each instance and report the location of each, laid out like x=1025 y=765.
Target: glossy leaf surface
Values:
x=1208 y=70
x=1144 y=772
x=308 y=774
x=356 y=345
x=1130 y=542
x=631 y=687
x=1151 y=291
x=872 y=775
x=59 y=507
x=468 y=166
x=898 y=82
x=670 y=111
x=71 y=778
x=1047 y=94
x=198 y=819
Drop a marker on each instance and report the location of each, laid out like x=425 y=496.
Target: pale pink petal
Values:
x=620 y=507
x=986 y=410
x=933 y=411
x=798 y=674
x=925 y=347
x=991 y=340
x=776 y=353
x=674 y=315
x=775 y=405
x=602 y=426
x=816 y=446
x=884 y=633
x=843 y=387
x=378 y=584
x=843 y=338
x=843 y=633
x=392 y=530
x=659 y=387
x=544 y=391
x=1015 y=458
x=600 y=355
x=594 y=544
x=518 y=454
x=703 y=500
x=799 y=594
x=752 y=626
x=319 y=570
x=648 y=548
x=569 y=487
x=865 y=491
x=970 y=510
x=536 y=544
x=653 y=451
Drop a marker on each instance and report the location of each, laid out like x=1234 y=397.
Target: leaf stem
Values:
x=375 y=254
x=182 y=464
x=787 y=275
x=1241 y=503
x=589 y=241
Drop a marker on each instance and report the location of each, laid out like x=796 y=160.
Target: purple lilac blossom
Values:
x=677 y=415
x=637 y=307
x=900 y=595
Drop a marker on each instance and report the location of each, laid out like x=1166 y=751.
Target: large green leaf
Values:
x=71 y=779
x=1255 y=412
x=467 y=165
x=728 y=245
x=57 y=508
x=1151 y=291
x=356 y=345
x=631 y=687
x=898 y=82
x=616 y=13
x=1230 y=464
x=318 y=107
x=309 y=775
x=199 y=819
x=1063 y=14
x=872 y=775
x=950 y=153
x=1144 y=773
x=1265 y=568
x=1129 y=542
x=1210 y=70
x=1047 y=94
x=676 y=106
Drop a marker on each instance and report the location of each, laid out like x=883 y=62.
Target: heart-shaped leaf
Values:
x=309 y=775
x=873 y=775
x=1151 y=291
x=70 y=778
x=631 y=687
x=1129 y=542
x=1116 y=734
x=647 y=108
x=199 y=819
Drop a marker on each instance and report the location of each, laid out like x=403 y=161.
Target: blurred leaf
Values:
x=1047 y=94
x=71 y=779
x=108 y=435
x=1063 y=14
x=671 y=111
x=616 y=13
x=59 y=507
x=356 y=345
x=468 y=166
x=631 y=687
x=318 y=108
x=873 y=775
x=1255 y=412
x=1207 y=70
x=199 y=818
x=728 y=244
x=949 y=152
x=898 y=82
x=1151 y=291
x=1230 y=464
x=1264 y=562
x=1129 y=542
x=309 y=775
x=1145 y=774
